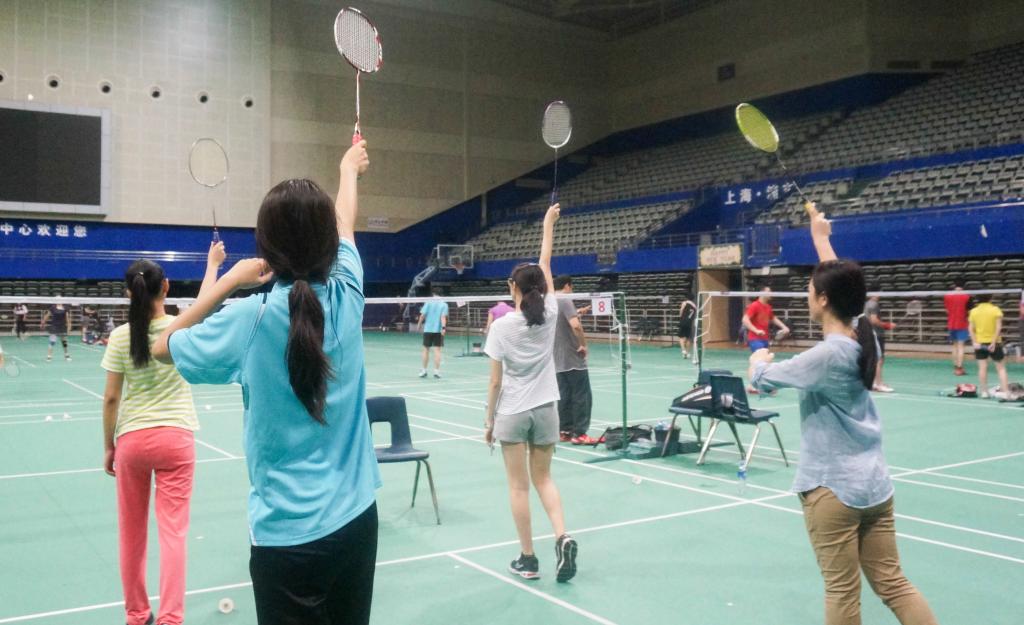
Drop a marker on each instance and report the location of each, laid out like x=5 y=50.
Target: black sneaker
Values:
x=527 y=567
x=565 y=551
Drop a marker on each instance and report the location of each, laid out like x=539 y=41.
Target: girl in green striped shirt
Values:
x=148 y=421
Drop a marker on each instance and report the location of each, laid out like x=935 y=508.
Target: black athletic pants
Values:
x=326 y=582
x=574 y=406
x=20 y=325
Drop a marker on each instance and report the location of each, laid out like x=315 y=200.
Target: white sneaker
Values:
x=985 y=395
x=423 y=373
x=437 y=374
x=882 y=388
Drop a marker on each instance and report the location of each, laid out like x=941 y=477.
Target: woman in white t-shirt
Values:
x=522 y=402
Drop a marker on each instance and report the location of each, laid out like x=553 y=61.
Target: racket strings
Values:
x=358 y=42
x=557 y=126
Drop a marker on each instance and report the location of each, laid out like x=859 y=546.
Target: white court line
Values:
x=40 y=421
x=897 y=477
x=16 y=476
x=82 y=388
x=961 y=528
x=968 y=491
x=116 y=604
x=533 y=591
x=961 y=464
x=980 y=552
x=195 y=394
x=779 y=492
x=217 y=449
x=74 y=419
x=944 y=402
x=23 y=360
x=199 y=591
x=971 y=479
x=25 y=405
x=440 y=401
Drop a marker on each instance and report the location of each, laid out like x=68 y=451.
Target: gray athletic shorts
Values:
x=538 y=426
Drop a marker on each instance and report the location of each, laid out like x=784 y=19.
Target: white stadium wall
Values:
x=183 y=47
x=455 y=110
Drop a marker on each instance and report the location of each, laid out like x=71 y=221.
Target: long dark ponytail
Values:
x=144 y=281
x=842 y=282
x=532 y=285
x=296 y=233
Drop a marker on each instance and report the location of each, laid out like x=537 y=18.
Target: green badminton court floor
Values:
x=661 y=541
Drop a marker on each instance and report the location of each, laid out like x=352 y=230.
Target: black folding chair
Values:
x=729 y=403
x=392 y=410
x=690 y=409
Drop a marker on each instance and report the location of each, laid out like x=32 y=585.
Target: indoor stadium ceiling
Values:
x=616 y=17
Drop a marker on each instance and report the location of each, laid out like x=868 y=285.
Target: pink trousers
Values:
x=168 y=453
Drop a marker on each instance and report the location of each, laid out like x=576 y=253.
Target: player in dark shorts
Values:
x=20 y=317
x=873 y=313
x=57 y=320
x=433 y=319
x=687 y=313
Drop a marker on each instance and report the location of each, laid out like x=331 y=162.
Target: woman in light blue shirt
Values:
x=297 y=353
x=843 y=479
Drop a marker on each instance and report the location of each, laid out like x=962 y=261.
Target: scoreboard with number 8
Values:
x=601 y=306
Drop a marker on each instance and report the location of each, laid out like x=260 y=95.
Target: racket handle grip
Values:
x=356 y=137
x=216 y=236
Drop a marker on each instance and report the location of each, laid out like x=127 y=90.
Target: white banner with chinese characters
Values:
x=756 y=194
x=727 y=255
x=13 y=230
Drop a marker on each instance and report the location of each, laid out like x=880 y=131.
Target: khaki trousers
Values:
x=847 y=541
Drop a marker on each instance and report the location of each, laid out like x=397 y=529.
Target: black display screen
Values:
x=50 y=158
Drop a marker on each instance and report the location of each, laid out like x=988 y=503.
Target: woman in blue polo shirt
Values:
x=297 y=352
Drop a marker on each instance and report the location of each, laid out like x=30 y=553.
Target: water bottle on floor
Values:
x=741 y=477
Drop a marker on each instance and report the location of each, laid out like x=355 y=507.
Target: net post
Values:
x=620 y=313
x=698 y=335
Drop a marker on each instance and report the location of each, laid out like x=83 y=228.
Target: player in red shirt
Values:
x=957 y=304
x=758 y=320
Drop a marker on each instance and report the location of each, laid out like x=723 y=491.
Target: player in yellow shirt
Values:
x=986 y=326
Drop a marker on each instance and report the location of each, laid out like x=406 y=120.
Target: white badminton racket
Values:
x=359 y=43
x=208 y=166
x=556 y=129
